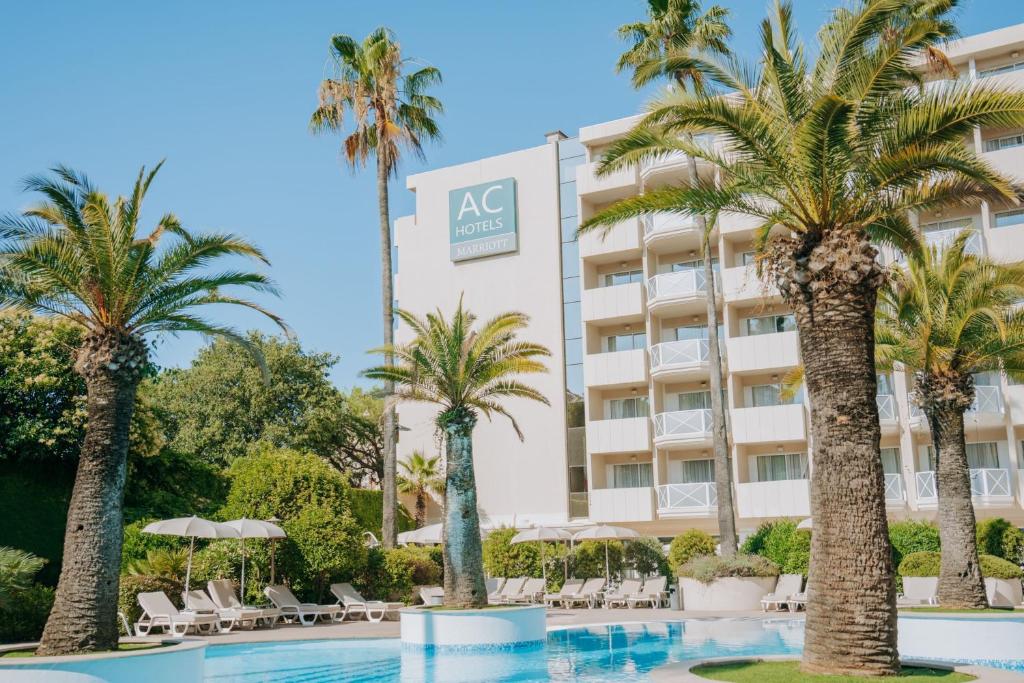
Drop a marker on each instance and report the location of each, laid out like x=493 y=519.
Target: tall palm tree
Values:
x=465 y=371
x=420 y=478
x=945 y=317
x=833 y=155
x=664 y=46
x=390 y=111
x=79 y=256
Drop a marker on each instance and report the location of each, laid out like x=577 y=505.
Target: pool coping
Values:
x=168 y=646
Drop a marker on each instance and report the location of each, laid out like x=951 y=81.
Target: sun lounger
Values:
x=230 y=618
x=787 y=586
x=354 y=603
x=621 y=596
x=652 y=593
x=588 y=595
x=512 y=588
x=493 y=585
x=432 y=595
x=797 y=602
x=532 y=591
x=159 y=612
x=222 y=593
x=570 y=587
x=306 y=612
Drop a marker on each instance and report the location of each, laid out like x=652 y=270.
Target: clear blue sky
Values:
x=224 y=90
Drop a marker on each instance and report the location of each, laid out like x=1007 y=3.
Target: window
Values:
x=692 y=471
x=957 y=224
x=1007 y=218
x=983 y=456
x=695 y=400
x=747 y=258
x=782 y=466
x=885 y=387
x=626 y=341
x=891 y=460
x=691 y=332
x=770 y=324
x=998 y=70
x=619 y=408
x=762 y=395
x=623 y=278
x=631 y=475
x=693 y=265
x=1005 y=142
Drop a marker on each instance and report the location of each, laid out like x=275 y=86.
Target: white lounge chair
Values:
x=306 y=612
x=621 y=596
x=230 y=618
x=570 y=587
x=222 y=593
x=512 y=588
x=787 y=586
x=493 y=585
x=354 y=603
x=652 y=593
x=159 y=612
x=532 y=591
x=920 y=591
x=432 y=595
x=797 y=602
x=588 y=595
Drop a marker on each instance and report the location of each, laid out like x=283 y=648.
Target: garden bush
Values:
x=587 y=560
x=283 y=483
x=928 y=563
x=22 y=620
x=912 y=536
x=707 y=568
x=1000 y=538
x=773 y=540
x=799 y=558
x=687 y=545
x=646 y=558
x=131 y=586
x=504 y=558
x=323 y=547
x=394 y=574
x=997 y=568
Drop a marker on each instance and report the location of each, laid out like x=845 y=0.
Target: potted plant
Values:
x=724 y=584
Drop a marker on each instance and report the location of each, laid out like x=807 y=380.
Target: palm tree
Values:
x=465 y=371
x=831 y=155
x=945 y=317
x=664 y=46
x=420 y=478
x=79 y=256
x=390 y=111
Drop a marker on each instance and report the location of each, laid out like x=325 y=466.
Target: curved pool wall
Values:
x=182 y=662
x=493 y=628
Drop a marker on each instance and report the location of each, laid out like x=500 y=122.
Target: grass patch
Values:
x=788 y=672
x=123 y=647
x=945 y=610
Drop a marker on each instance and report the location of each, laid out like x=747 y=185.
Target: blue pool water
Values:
x=620 y=653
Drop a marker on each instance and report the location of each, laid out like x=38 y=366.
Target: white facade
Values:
x=644 y=357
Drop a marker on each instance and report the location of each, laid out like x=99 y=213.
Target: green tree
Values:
x=645 y=557
x=381 y=108
x=688 y=545
x=281 y=483
x=474 y=379
x=421 y=477
x=946 y=316
x=831 y=153
x=356 y=438
x=665 y=46
x=77 y=255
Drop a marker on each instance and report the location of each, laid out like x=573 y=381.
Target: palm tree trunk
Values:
x=832 y=283
x=463 y=554
x=719 y=434
x=421 y=509
x=84 y=614
x=389 y=482
x=961 y=584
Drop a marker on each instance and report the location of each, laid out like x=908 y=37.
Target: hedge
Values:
x=998 y=537
x=926 y=564
x=688 y=545
x=22 y=620
x=707 y=568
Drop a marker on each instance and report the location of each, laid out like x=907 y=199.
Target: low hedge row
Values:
x=927 y=563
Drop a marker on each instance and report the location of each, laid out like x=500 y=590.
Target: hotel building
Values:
x=627 y=437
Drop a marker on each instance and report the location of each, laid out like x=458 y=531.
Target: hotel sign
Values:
x=482 y=220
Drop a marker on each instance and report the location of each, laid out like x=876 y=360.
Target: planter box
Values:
x=181 y=662
x=729 y=594
x=496 y=627
x=919 y=589
x=1004 y=592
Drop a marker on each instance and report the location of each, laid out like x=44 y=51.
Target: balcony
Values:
x=621 y=243
x=988 y=486
x=682 y=427
x=894 y=494
x=779 y=424
x=677 y=293
x=687 y=500
x=987 y=408
x=787 y=498
x=616 y=368
x=764 y=353
x=669 y=230
x=616 y=185
x=627 y=435
x=679 y=360
x=622 y=505
x=738 y=223
x=611 y=305
x=741 y=284
x=942 y=239
x=1006 y=244
x=673 y=162
x=887 y=413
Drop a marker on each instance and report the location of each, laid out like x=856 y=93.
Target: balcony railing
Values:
x=886 y=407
x=987 y=399
x=670 y=159
x=686 y=497
x=894 y=488
x=682 y=423
x=984 y=482
x=682 y=283
x=925 y=485
x=680 y=352
x=944 y=238
x=667 y=222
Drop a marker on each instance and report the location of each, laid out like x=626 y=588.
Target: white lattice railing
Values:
x=670 y=159
x=944 y=238
x=667 y=222
x=893 y=488
x=683 y=497
x=680 y=352
x=680 y=283
x=682 y=423
x=987 y=400
x=886 y=407
x=990 y=482
x=925 y=485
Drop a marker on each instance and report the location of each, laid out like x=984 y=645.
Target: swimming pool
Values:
x=620 y=653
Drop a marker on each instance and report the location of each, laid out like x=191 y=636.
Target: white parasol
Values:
x=191 y=528
x=605 y=533
x=253 y=528
x=541 y=534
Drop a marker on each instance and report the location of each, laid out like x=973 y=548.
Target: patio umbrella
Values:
x=273 y=547
x=253 y=528
x=192 y=528
x=432 y=534
x=605 y=533
x=806 y=524
x=541 y=534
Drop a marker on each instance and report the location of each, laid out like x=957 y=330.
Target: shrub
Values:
x=998 y=568
x=912 y=537
x=137 y=545
x=688 y=545
x=222 y=559
x=17 y=569
x=928 y=564
x=645 y=557
x=323 y=547
x=707 y=568
x=998 y=537
x=587 y=559
x=799 y=558
x=131 y=586
x=367 y=507
x=773 y=540
x=393 y=574
x=22 y=620
x=283 y=483
x=504 y=558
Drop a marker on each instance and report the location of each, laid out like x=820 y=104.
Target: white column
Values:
x=907 y=449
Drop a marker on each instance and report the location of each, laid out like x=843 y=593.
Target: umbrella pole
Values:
x=243 y=571
x=273 y=547
x=188 y=570
x=543 y=567
x=607 y=573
